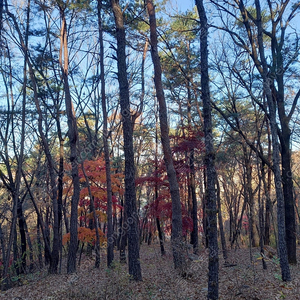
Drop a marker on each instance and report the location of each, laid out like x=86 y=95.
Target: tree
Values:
x=110 y=243
x=276 y=152
x=13 y=181
x=73 y=139
x=130 y=194
x=213 y=265
x=276 y=34
x=164 y=131
x=181 y=69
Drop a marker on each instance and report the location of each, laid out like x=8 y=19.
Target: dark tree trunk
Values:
x=267 y=188
x=130 y=193
x=220 y=219
x=285 y=139
x=2 y=243
x=39 y=245
x=212 y=231
x=15 y=252
x=110 y=239
x=47 y=250
x=204 y=202
x=60 y=185
x=261 y=222
x=289 y=202
x=22 y=237
x=165 y=140
x=249 y=194
x=123 y=239
x=160 y=235
x=194 y=233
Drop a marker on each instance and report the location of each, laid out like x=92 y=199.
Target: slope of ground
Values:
x=240 y=280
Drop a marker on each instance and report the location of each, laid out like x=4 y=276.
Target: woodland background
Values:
x=124 y=133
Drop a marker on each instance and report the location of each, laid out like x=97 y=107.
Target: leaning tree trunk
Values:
x=211 y=209
x=130 y=193
x=285 y=270
x=165 y=140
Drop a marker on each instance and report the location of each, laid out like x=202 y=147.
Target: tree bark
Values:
x=213 y=265
x=165 y=140
x=160 y=235
x=220 y=219
x=21 y=220
x=130 y=193
x=110 y=239
x=194 y=233
x=73 y=140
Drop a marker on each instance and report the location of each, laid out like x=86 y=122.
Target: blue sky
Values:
x=184 y=5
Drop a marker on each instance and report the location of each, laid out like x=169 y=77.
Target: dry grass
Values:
x=242 y=280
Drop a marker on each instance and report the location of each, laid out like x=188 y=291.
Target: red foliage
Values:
x=95 y=172
x=161 y=207
x=193 y=139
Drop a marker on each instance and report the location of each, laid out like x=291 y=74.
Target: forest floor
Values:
x=240 y=280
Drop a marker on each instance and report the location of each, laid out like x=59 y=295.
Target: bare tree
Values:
x=285 y=271
x=275 y=22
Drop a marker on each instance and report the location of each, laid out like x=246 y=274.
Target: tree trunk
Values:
x=267 y=188
x=110 y=239
x=249 y=194
x=123 y=238
x=285 y=139
x=261 y=219
x=220 y=219
x=164 y=128
x=130 y=193
x=213 y=265
x=21 y=219
x=73 y=140
x=289 y=202
x=39 y=245
x=194 y=233
x=204 y=203
x=160 y=235
x=2 y=243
